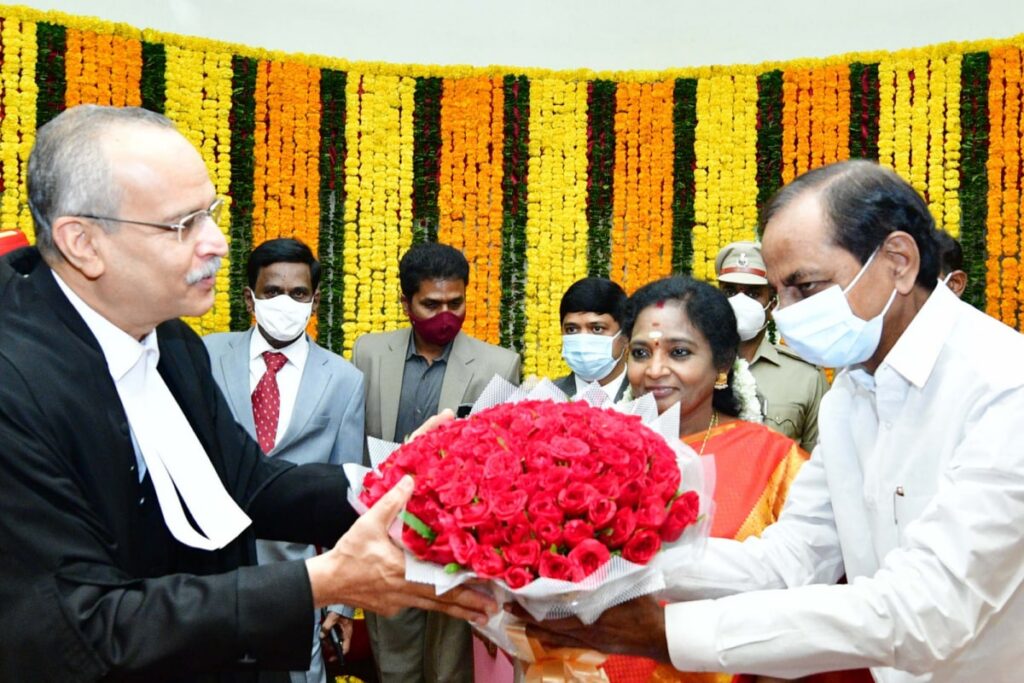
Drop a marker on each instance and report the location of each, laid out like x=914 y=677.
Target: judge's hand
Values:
x=365 y=569
x=636 y=627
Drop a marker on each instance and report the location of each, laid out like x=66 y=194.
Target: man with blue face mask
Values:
x=915 y=491
x=593 y=348
x=301 y=402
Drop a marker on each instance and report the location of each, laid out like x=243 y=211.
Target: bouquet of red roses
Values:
x=568 y=508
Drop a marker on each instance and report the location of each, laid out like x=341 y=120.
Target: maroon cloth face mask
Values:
x=439 y=329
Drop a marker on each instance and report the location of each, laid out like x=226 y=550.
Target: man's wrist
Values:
x=322 y=580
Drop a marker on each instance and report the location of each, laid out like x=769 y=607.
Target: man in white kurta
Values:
x=915 y=491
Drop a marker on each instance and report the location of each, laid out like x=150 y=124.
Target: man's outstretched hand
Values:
x=366 y=569
x=636 y=628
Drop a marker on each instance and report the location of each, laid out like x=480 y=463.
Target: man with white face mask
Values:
x=299 y=401
x=916 y=488
x=789 y=387
x=595 y=351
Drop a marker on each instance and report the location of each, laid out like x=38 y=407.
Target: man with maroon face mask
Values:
x=412 y=374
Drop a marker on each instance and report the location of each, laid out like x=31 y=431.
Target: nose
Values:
x=211 y=240
x=656 y=366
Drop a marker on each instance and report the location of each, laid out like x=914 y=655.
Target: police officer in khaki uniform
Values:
x=789 y=387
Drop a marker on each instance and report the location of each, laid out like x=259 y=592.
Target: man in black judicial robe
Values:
x=93 y=585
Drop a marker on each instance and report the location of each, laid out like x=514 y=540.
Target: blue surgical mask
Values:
x=825 y=331
x=589 y=355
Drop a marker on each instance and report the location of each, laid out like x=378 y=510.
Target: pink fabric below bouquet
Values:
x=539 y=489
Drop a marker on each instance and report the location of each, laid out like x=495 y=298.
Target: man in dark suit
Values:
x=411 y=374
x=319 y=394
x=131 y=498
x=592 y=346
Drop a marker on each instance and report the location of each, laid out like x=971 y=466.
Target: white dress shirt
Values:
x=916 y=491
x=288 y=377
x=164 y=441
x=612 y=388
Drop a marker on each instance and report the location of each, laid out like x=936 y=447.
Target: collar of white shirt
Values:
x=612 y=388
x=915 y=353
x=297 y=352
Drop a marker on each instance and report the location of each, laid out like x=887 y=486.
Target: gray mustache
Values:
x=209 y=269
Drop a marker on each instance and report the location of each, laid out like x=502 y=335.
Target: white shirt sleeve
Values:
x=957 y=570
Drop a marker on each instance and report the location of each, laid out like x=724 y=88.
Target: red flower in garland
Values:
x=538 y=489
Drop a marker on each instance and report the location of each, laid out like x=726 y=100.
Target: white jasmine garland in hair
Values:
x=744 y=388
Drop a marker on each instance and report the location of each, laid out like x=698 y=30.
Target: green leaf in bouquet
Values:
x=452 y=568
x=417 y=525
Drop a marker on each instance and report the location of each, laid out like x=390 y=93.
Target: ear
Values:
x=249 y=306
x=316 y=300
x=901 y=253
x=957 y=282
x=79 y=244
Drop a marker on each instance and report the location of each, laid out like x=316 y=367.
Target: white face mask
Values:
x=589 y=355
x=282 y=317
x=945 y=280
x=750 y=317
x=825 y=331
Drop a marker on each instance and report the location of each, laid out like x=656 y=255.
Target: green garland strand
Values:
x=516 y=157
x=769 y=135
x=600 y=174
x=684 y=122
x=242 y=122
x=154 y=83
x=973 y=172
x=426 y=159
x=50 y=74
x=864 y=111
x=332 y=209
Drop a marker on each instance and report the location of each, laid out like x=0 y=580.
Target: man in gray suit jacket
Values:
x=318 y=412
x=412 y=374
x=592 y=345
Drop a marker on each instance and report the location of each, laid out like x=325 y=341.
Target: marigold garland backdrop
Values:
x=540 y=177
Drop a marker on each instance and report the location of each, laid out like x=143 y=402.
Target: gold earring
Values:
x=723 y=380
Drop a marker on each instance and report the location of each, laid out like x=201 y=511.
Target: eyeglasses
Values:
x=184 y=224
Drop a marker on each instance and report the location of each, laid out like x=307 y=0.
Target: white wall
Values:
x=568 y=34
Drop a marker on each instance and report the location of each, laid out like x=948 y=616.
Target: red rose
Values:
x=517 y=577
x=487 y=563
x=473 y=514
x=623 y=526
x=548 y=531
x=492 y=533
x=525 y=553
x=555 y=477
x=569 y=448
x=576 y=497
x=463 y=546
x=503 y=465
x=416 y=544
x=586 y=469
x=652 y=515
x=630 y=494
x=589 y=554
x=509 y=503
x=666 y=474
x=439 y=551
x=518 y=529
x=543 y=505
x=642 y=547
x=607 y=486
x=683 y=513
x=600 y=512
x=576 y=531
x=554 y=566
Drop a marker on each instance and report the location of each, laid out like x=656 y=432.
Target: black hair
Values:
x=864 y=203
x=431 y=261
x=283 y=250
x=709 y=311
x=951 y=255
x=593 y=295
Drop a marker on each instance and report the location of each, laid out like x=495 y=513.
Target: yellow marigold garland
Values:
x=199 y=102
x=378 y=207
x=952 y=143
x=17 y=129
x=556 y=227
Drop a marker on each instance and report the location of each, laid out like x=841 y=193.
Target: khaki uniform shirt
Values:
x=790 y=389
